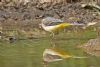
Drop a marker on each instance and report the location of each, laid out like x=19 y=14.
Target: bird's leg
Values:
x=45 y=64
x=52 y=39
x=53 y=45
x=52 y=35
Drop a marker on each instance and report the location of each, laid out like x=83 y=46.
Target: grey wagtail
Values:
x=53 y=54
x=54 y=25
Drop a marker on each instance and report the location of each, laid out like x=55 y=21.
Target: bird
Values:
x=54 y=25
x=54 y=54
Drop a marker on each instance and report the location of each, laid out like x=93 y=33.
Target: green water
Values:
x=28 y=53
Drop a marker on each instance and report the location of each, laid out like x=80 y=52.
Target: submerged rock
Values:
x=92 y=47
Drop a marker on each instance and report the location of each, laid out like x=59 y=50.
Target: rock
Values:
x=92 y=47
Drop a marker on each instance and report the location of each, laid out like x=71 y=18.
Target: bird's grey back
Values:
x=51 y=21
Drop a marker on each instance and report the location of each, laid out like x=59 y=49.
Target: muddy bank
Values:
x=27 y=17
x=30 y=12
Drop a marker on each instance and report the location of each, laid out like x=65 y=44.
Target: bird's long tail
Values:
x=78 y=57
x=83 y=24
x=91 y=23
x=72 y=24
x=77 y=24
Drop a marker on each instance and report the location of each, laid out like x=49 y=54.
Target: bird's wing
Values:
x=54 y=23
x=50 y=21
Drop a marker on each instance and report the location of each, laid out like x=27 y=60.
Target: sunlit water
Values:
x=28 y=53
